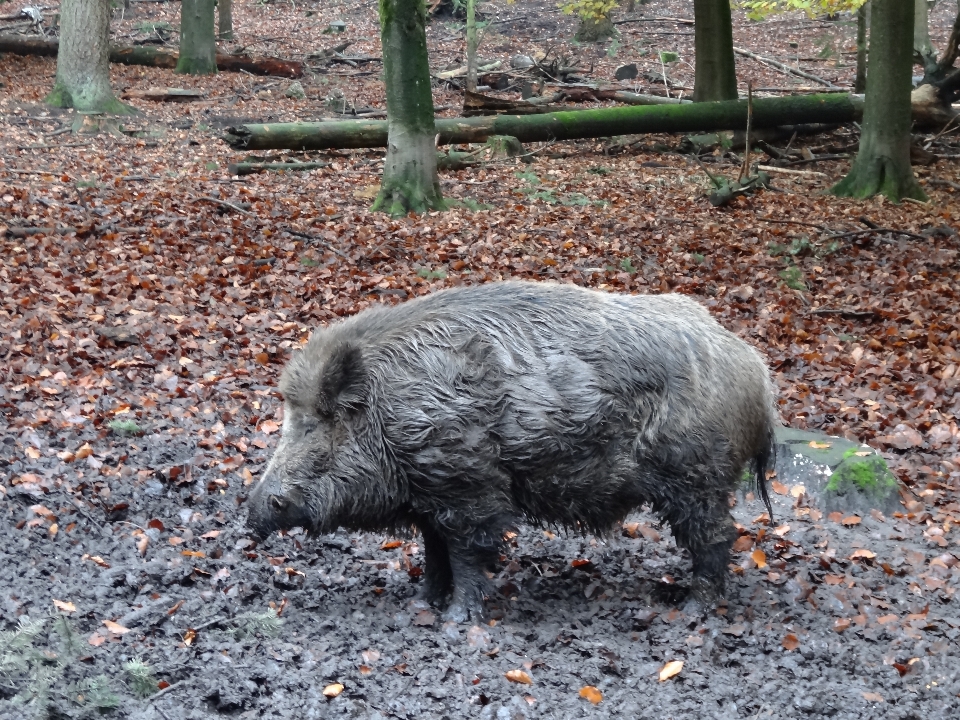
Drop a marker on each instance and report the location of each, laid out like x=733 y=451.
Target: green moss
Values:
x=869 y=475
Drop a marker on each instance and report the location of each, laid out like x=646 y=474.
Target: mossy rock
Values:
x=839 y=475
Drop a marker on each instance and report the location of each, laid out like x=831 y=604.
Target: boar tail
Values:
x=765 y=460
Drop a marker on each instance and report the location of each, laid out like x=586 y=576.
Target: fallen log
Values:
x=250 y=168
x=153 y=57
x=480 y=104
x=566 y=125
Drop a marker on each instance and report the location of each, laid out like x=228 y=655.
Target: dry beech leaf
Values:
x=841 y=624
x=759 y=557
x=790 y=642
x=116 y=628
x=862 y=553
x=67 y=607
x=797 y=490
x=332 y=690
x=743 y=543
x=872 y=697
x=518 y=676
x=391 y=544
x=779 y=488
x=670 y=669
x=589 y=692
x=189 y=636
x=850 y=520
x=817 y=445
x=96 y=639
x=268 y=426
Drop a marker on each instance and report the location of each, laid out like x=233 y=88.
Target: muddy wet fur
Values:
x=470 y=410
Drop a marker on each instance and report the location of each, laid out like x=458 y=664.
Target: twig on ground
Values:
x=875 y=231
x=786 y=68
x=225 y=204
x=167 y=689
x=794 y=222
x=788 y=171
x=317 y=240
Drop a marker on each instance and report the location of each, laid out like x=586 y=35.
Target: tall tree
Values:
x=472 y=45
x=922 y=46
x=225 y=19
x=716 y=75
x=863 y=19
x=83 y=65
x=882 y=164
x=410 y=181
x=198 y=44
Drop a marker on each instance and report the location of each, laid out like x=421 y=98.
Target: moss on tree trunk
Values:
x=83 y=63
x=198 y=44
x=410 y=181
x=716 y=75
x=883 y=161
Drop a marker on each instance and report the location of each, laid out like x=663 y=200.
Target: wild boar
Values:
x=469 y=410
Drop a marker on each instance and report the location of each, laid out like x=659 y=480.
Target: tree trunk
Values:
x=567 y=125
x=883 y=161
x=926 y=55
x=863 y=21
x=198 y=44
x=471 y=45
x=83 y=65
x=225 y=19
x=716 y=75
x=410 y=181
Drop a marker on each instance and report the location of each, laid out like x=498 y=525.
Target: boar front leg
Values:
x=470 y=555
x=437 y=575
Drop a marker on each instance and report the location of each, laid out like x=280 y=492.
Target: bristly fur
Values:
x=471 y=409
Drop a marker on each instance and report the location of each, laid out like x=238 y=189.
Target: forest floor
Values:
x=141 y=350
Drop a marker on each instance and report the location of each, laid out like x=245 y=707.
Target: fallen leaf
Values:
x=210 y=535
x=96 y=639
x=670 y=669
x=115 y=627
x=841 y=624
x=518 y=676
x=193 y=553
x=835 y=516
x=67 y=607
x=851 y=520
x=391 y=544
x=425 y=618
x=743 y=543
x=589 y=692
x=189 y=636
x=797 y=490
x=759 y=557
x=872 y=697
x=790 y=642
x=332 y=690
x=817 y=445
x=735 y=630
x=862 y=553
x=781 y=530
x=779 y=488
x=268 y=426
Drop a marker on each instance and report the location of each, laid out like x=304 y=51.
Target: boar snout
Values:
x=273 y=509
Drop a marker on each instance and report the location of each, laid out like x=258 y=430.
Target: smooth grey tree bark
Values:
x=882 y=164
x=198 y=43
x=410 y=182
x=225 y=19
x=716 y=74
x=83 y=59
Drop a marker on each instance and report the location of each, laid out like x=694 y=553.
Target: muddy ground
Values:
x=811 y=634
x=165 y=312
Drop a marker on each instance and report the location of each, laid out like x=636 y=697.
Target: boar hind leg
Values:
x=437 y=575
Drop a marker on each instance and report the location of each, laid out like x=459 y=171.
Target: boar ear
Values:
x=342 y=381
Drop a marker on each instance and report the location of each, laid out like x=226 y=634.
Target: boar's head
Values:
x=304 y=484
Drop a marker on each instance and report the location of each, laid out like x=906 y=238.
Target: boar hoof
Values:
x=458 y=612
x=704 y=597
